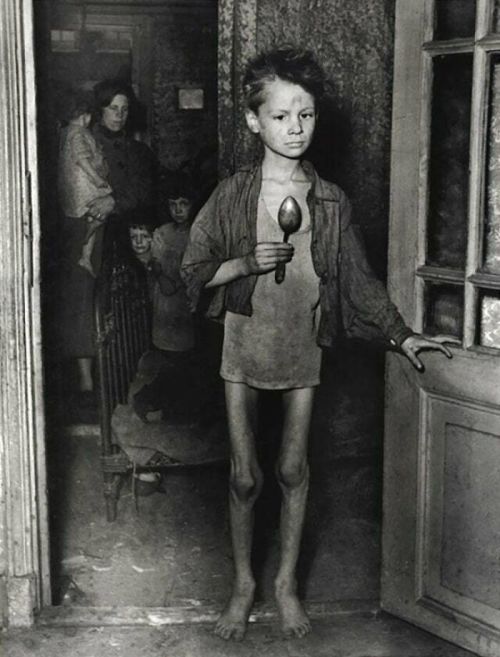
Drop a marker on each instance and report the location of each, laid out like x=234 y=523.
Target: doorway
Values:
x=97 y=563
x=94 y=561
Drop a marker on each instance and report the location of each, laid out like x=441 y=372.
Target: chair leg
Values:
x=111 y=493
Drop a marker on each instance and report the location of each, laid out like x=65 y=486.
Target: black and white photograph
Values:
x=250 y=328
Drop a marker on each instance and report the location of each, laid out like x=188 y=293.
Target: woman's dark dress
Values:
x=132 y=176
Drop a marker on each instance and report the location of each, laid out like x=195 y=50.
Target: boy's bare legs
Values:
x=244 y=487
x=293 y=476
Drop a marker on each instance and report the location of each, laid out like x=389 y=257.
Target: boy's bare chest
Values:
x=274 y=193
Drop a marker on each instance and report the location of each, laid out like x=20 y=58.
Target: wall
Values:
x=172 y=45
x=185 y=55
x=355 y=47
x=352 y=148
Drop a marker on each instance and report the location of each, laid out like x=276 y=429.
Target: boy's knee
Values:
x=245 y=486
x=292 y=475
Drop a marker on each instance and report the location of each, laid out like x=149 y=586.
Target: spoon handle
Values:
x=279 y=272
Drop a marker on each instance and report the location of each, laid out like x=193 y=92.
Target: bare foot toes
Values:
x=232 y=623
x=294 y=620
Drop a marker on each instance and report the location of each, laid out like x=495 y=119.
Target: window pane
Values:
x=455 y=19
x=491 y=261
x=444 y=309
x=489 y=321
x=449 y=161
x=496 y=17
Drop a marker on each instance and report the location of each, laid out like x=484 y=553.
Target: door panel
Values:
x=461 y=524
x=441 y=534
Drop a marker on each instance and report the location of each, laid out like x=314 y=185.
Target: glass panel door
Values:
x=459 y=293
x=454 y=19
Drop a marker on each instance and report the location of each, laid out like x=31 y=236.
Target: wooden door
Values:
x=441 y=537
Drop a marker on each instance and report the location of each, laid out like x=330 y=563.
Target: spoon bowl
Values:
x=289 y=219
x=289 y=216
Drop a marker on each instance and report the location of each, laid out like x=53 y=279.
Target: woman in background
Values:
x=132 y=177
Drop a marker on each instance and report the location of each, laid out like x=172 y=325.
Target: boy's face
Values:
x=286 y=119
x=140 y=239
x=180 y=209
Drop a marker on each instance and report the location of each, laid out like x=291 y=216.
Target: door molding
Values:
x=23 y=517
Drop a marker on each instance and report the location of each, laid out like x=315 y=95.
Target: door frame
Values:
x=25 y=587
x=24 y=544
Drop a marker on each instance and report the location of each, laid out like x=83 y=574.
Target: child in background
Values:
x=82 y=170
x=173 y=325
x=273 y=333
x=141 y=240
x=173 y=322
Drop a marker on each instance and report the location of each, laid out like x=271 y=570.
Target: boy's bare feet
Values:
x=86 y=264
x=294 y=620
x=232 y=623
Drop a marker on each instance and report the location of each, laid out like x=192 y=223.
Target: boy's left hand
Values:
x=416 y=343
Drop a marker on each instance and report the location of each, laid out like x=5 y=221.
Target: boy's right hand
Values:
x=266 y=256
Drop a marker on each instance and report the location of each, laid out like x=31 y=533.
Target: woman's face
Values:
x=114 y=116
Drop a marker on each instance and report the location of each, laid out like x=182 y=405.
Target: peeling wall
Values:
x=352 y=148
x=354 y=45
x=178 y=135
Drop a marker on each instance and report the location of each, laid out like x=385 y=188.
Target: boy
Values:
x=173 y=325
x=274 y=333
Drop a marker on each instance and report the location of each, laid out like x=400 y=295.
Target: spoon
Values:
x=289 y=219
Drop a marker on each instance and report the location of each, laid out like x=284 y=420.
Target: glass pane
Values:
x=491 y=261
x=489 y=320
x=449 y=161
x=455 y=19
x=444 y=309
x=496 y=17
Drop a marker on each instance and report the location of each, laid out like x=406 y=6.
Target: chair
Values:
x=123 y=332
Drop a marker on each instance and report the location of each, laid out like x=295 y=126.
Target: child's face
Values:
x=180 y=209
x=140 y=239
x=286 y=119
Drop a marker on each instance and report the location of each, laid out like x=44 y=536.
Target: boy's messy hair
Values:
x=72 y=103
x=145 y=224
x=288 y=63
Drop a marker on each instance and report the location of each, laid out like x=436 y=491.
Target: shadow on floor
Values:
x=174 y=547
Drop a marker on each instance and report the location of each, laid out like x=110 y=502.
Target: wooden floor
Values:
x=175 y=548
